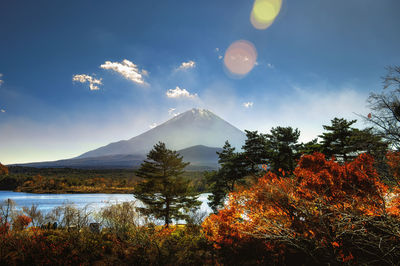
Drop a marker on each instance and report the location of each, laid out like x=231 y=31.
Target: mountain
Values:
x=200 y=158
x=196 y=134
x=120 y=161
x=193 y=127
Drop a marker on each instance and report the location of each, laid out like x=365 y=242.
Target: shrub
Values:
x=327 y=213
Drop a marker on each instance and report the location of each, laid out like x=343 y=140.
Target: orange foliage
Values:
x=393 y=198
x=354 y=183
x=393 y=160
x=281 y=210
x=21 y=222
x=3 y=170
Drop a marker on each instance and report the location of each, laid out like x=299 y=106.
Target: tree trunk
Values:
x=167 y=212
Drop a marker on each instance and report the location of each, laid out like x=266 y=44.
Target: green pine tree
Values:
x=164 y=192
x=311 y=147
x=345 y=142
x=337 y=141
x=283 y=148
x=254 y=151
x=231 y=172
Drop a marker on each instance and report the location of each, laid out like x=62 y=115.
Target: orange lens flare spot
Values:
x=240 y=58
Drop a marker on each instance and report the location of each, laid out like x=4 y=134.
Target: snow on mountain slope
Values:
x=193 y=127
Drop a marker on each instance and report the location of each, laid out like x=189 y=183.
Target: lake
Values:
x=46 y=202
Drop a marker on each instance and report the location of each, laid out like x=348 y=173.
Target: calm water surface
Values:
x=46 y=202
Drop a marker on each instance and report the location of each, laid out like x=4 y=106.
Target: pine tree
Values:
x=337 y=141
x=254 y=151
x=231 y=172
x=345 y=142
x=311 y=147
x=283 y=148
x=164 y=192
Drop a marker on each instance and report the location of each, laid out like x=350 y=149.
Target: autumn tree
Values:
x=3 y=170
x=7 y=182
x=164 y=192
x=20 y=222
x=366 y=141
x=393 y=160
x=329 y=213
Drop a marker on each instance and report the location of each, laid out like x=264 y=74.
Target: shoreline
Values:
x=76 y=191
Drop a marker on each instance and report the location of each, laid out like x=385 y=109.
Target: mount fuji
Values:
x=196 y=134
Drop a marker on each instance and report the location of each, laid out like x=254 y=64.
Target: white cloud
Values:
x=171 y=111
x=2 y=110
x=217 y=51
x=128 y=70
x=1 y=81
x=187 y=65
x=145 y=73
x=271 y=66
x=248 y=104
x=153 y=125
x=93 y=82
x=180 y=93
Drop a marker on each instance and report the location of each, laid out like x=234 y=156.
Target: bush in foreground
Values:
x=327 y=214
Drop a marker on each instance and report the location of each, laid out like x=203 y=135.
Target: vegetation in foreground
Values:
x=326 y=213
x=69 y=237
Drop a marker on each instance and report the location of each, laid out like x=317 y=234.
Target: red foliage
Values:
x=393 y=160
x=4 y=227
x=285 y=210
x=21 y=222
x=3 y=170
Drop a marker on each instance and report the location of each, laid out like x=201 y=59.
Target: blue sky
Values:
x=319 y=59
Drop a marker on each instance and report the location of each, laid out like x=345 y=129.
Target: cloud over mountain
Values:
x=248 y=104
x=127 y=69
x=187 y=65
x=180 y=93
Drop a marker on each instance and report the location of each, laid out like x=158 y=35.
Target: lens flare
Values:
x=240 y=58
x=264 y=13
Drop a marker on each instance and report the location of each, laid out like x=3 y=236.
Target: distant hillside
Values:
x=200 y=158
x=121 y=161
